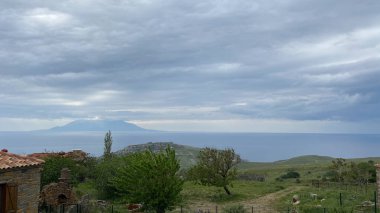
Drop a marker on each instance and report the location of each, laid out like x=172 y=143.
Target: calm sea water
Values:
x=264 y=147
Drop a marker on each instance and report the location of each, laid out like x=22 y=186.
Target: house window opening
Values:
x=62 y=199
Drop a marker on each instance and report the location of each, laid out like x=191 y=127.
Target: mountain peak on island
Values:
x=98 y=125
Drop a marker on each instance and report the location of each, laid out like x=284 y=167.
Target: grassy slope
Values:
x=313 y=167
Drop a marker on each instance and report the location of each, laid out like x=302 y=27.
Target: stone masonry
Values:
x=55 y=194
x=28 y=185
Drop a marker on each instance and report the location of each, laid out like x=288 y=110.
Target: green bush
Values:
x=290 y=174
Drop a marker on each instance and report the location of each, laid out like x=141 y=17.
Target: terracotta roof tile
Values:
x=9 y=161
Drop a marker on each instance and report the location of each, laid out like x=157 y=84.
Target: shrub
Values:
x=290 y=174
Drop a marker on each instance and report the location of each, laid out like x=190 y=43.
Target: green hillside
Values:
x=306 y=159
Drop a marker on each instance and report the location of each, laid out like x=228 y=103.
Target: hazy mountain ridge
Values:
x=98 y=125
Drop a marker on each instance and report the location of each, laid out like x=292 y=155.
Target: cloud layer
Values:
x=152 y=60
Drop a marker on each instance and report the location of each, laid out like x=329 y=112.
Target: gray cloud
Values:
x=146 y=60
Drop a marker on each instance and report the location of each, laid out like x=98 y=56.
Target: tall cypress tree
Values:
x=107 y=145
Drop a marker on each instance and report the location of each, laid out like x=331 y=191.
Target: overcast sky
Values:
x=200 y=65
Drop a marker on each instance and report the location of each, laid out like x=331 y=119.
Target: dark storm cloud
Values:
x=297 y=60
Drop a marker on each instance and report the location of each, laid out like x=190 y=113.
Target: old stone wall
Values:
x=57 y=193
x=28 y=185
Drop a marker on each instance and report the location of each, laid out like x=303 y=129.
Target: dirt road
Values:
x=265 y=204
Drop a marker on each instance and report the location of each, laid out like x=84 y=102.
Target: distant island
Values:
x=99 y=125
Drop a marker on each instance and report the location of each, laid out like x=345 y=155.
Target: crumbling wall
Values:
x=58 y=193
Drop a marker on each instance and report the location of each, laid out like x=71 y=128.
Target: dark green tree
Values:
x=215 y=168
x=152 y=179
x=104 y=172
x=52 y=167
x=290 y=174
x=107 y=145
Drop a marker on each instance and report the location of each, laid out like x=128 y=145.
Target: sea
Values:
x=255 y=147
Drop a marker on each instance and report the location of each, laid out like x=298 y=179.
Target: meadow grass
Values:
x=333 y=197
x=241 y=190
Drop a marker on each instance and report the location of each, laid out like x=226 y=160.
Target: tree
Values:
x=362 y=173
x=340 y=168
x=359 y=173
x=104 y=172
x=107 y=145
x=366 y=172
x=215 y=168
x=52 y=167
x=150 y=178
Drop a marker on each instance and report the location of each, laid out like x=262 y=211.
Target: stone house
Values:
x=19 y=183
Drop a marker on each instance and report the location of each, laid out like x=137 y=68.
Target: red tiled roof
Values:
x=9 y=161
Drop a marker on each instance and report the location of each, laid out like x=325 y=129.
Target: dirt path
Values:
x=265 y=203
x=262 y=204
